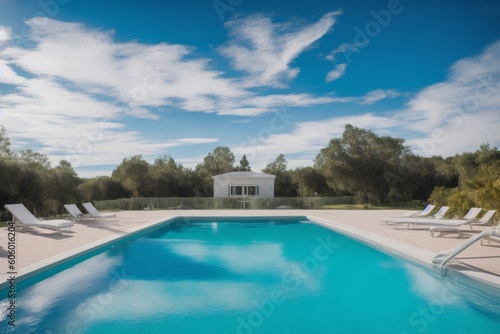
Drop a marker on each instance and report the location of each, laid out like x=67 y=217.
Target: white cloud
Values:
x=133 y=73
x=377 y=95
x=347 y=49
x=257 y=105
x=74 y=78
x=5 y=34
x=337 y=73
x=86 y=173
x=453 y=116
x=460 y=113
x=265 y=50
x=241 y=121
x=308 y=139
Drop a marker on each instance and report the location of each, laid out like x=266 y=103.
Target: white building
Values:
x=244 y=184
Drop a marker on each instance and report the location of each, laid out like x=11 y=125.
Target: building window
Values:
x=243 y=190
x=253 y=191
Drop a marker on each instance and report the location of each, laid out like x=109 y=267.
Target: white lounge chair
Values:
x=23 y=218
x=441 y=212
x=485 y=220
x=409 y=220
x=472 y=213
x=495 y=237
x=469 y=218
x=425 y=212
x=74 y=212
x=96 y=214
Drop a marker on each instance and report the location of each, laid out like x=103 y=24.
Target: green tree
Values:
x=5 y=151
x=310 y=182
x=220 y=161
x=168 y=178
x=63 y=185
x=372 y=167
x=133 y=174
x=445 y=172
x=283 y=185
x=478 y=181
x=244 y=165
x=484 y=188
x=100 y=188
x=440 y=195
x=34 y=159
x=10 y=175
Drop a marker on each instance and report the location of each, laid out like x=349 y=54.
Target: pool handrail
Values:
x=441 y=259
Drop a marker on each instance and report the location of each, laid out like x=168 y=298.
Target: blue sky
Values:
x=93 y=82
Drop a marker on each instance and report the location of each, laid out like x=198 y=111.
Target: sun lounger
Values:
x=485 y=220
x=96 y=214
x=441 y=212
x=23 y=218
x=473 y=213
x=467 y=220
x=425 y=212
x=408 y=220
x=486 y=241
x=74 y=212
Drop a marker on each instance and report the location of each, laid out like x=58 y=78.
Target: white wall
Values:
x=266 y=185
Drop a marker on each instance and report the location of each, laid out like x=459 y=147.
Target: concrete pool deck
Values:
x=38 y=248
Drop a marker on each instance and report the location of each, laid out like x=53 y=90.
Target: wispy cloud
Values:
x=72 y=89
x=346 y=49
x=74 y=77
x=377 y=95
x=264 y=50
x=336 y=73
x=455 y=115
x=241 y=121
x=5 y=34
x=461 y=112
x=308 y=139
x=138 y=75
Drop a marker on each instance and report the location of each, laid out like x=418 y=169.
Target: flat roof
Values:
x=242 y=175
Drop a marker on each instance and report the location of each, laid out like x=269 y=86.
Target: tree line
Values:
x=379 y=170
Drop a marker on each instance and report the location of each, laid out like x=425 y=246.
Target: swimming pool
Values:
x=245 y=276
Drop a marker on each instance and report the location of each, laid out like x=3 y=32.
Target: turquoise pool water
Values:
x=223 y=276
